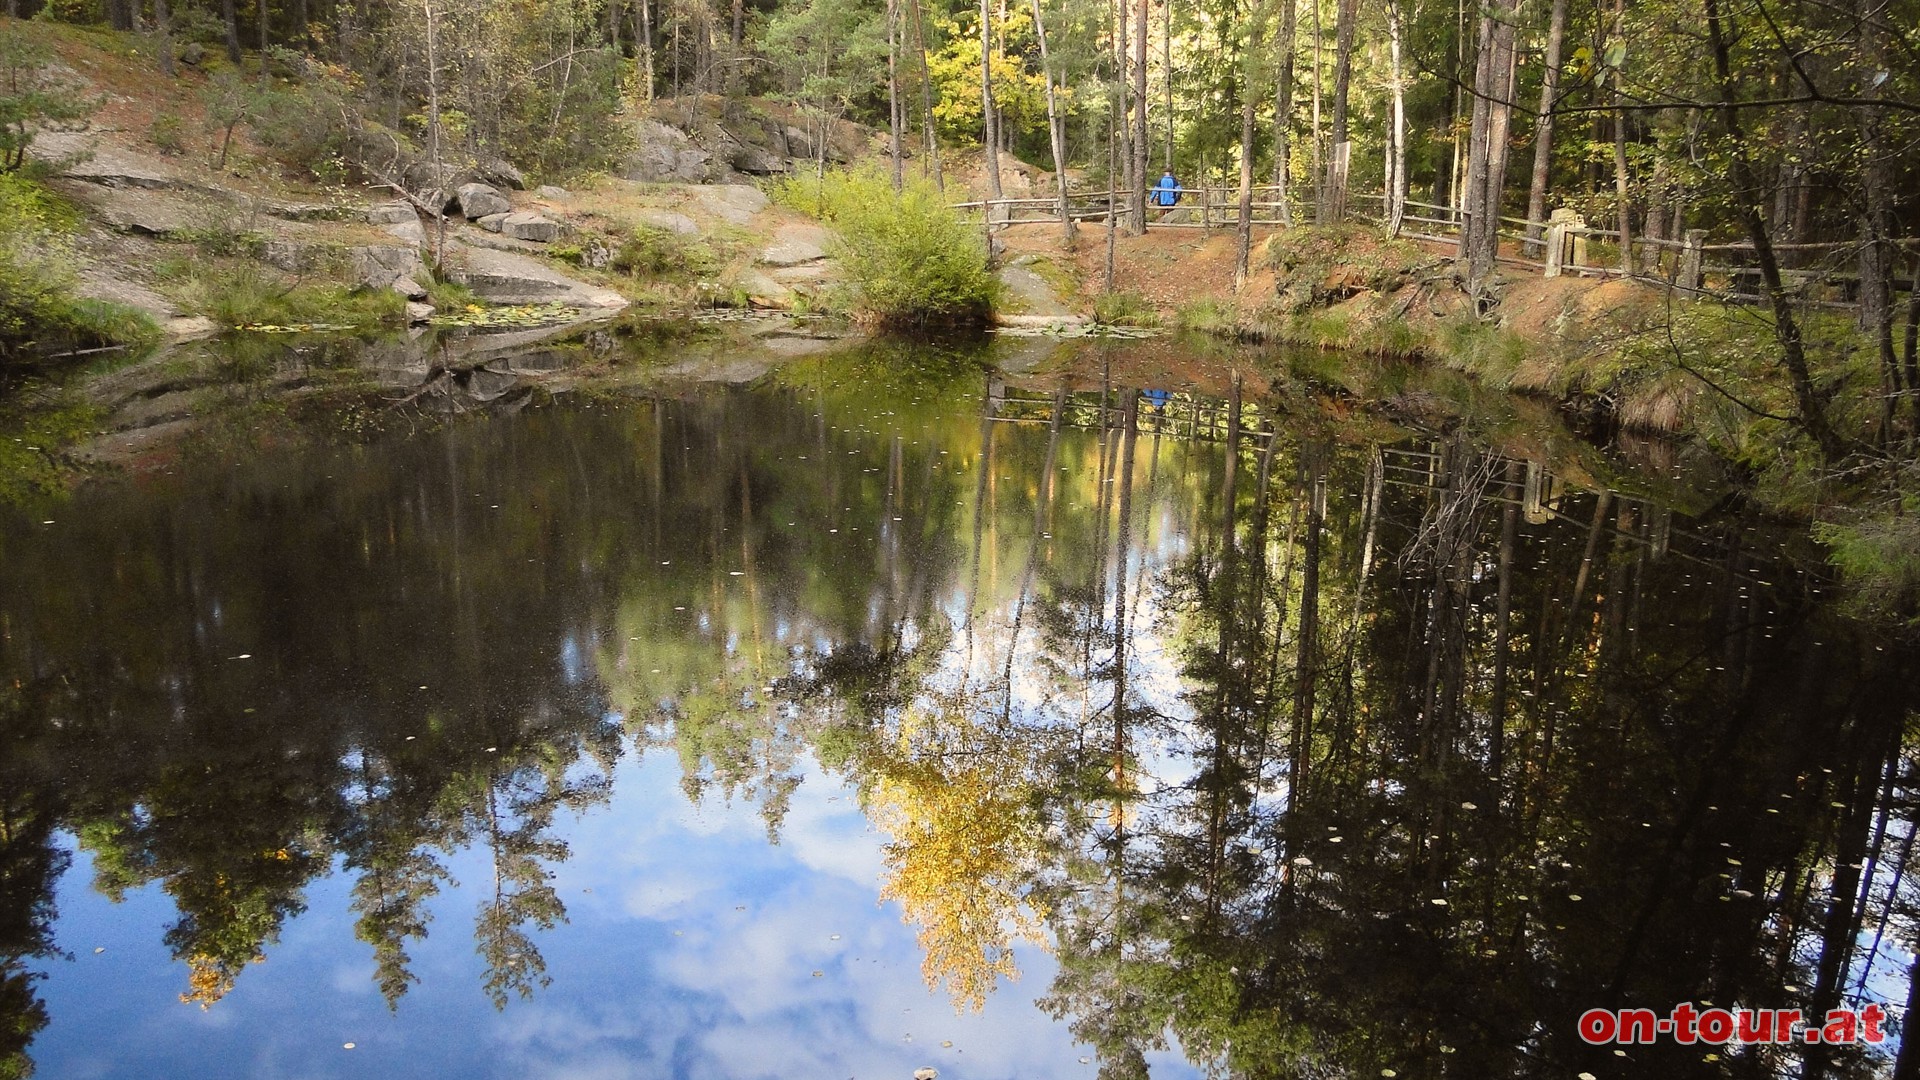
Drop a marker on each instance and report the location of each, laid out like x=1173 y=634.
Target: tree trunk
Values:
x=1333 y=203
x=643 y=47
x=433 y=132
x=1123 y=90
x=1140 y=139
x=232 y=22
x=1243 y=223
x=1056 y=127
x=163 y=27
x=1878 y=223
x=265 y=11
x=1319 y=177
x=1166 y=73
x=1394 y=191
x=987 y=109
x=1487 y=146
x=926 y=96
x=893 y=91
x=1543 y=122
x=1621 y=178
x=1283 y=108
x=1808 y=400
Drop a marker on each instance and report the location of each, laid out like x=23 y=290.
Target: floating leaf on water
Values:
x=1438 y=901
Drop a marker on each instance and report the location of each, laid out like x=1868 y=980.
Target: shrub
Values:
x=168 y=133
x=911 y=260
x=1124 y=309
x=654 y=252
x=247 y=295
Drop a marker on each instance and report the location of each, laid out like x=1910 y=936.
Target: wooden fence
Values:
x=1819 y=274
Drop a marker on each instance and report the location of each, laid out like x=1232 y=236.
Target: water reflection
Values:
x=1306 y=744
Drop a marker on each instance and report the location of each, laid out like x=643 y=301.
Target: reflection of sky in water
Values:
x=689 y=950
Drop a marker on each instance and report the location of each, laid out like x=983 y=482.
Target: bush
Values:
x=911 y=259
x=1124 y=309
x=655 y=252
x=168 y=134
x=247 y=295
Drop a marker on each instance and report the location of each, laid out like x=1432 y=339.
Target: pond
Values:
x=891 y=709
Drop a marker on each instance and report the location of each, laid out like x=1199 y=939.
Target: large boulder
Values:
x=389 y=266
x=501 y=173
x=480 y=200
x=530 y=226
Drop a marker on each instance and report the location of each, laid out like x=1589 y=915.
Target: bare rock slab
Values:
x=794 y=245
x=679 y=224
x=391 y=213
x=505 y=277
x=732 y=203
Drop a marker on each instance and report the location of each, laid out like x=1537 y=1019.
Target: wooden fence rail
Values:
x=1562 y=245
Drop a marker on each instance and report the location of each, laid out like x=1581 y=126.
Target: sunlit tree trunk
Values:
x=1283 y=108
x=1056 y=126
x=1243 y=224
x=643 y=47
x=1621 y=177
x=1543 y=121
x=926 y=95
x=1395 y=189
x=1141 y=145
x=1333 y=198
x=987 y=108
x=893 y=90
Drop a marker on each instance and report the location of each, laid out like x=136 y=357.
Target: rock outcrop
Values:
x=506 y=277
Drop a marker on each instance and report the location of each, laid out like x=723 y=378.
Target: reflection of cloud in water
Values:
x=733 y=995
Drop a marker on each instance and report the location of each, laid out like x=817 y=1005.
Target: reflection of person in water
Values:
x=1158 y=399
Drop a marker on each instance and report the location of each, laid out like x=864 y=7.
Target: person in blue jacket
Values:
x=1167 y=191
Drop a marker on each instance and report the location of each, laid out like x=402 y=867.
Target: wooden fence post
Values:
x=1556 y=248
x=1690 y=276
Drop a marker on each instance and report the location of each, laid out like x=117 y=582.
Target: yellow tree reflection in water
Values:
x=966 y=844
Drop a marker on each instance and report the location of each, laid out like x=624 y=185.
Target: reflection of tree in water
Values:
x=1479 y=829
x=30 y=863
x=510 y=808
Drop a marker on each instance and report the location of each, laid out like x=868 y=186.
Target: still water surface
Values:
x=887 y=712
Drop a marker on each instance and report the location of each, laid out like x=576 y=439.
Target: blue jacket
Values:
x=1167 y=191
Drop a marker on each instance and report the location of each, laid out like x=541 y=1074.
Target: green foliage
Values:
x=168 y=134
x=30 y=97
x=31 y=438
x=38 y=308
x=1321 y=264
x=653 y=252
x=248 y=295
x=301 y=124
x=911 y=259
x=449 y=296
x=1878 y=555
x=1124 y=309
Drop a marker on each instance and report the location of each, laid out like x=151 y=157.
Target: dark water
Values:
x=773 y=730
